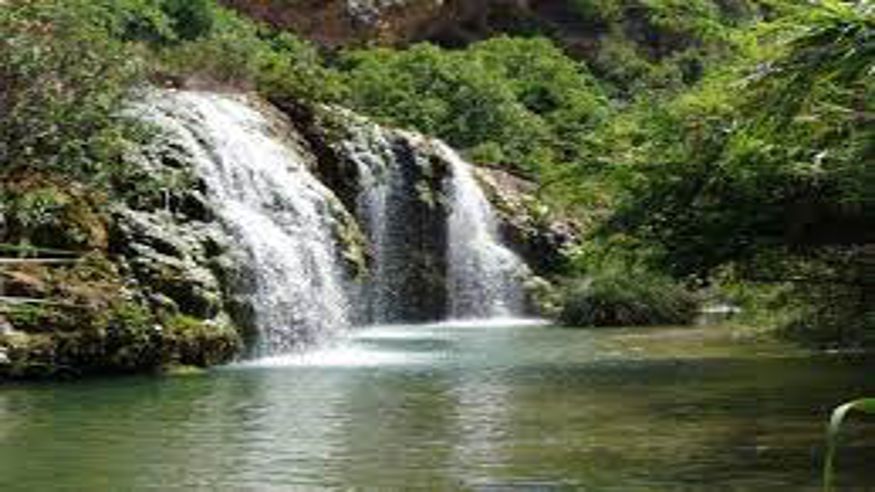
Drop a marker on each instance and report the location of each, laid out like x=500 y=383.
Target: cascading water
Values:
x=377 y=180
x=280 y=215
x=434 y=241
x=398 y=208
x=413 y=187
x=484 y=277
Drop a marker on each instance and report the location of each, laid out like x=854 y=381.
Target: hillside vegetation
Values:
x=713 y=149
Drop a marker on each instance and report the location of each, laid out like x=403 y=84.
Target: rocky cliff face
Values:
x=539 y=236
x=454 y=23
x=112 y=287
x=334 y=23
x=338 y=22
x=393 y=181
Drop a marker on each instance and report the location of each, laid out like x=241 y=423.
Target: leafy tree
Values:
x=766 y=167
x=191 y=19
x=788 y=165
x=520 y=102
x=63 y=78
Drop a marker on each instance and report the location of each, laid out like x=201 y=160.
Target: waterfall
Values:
x=397 y=205
x=279 y=214
x=433 y=235
x=378 y=182
x=411 y=188
x=484 y=277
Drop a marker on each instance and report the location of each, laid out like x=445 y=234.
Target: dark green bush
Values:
x=191 y=19
x=626 y=298
x=828 y=316
x=518 y=102
x=231 y=50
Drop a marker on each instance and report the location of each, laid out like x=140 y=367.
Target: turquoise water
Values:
x=452 y=408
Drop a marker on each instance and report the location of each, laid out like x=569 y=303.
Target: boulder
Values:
x=172 y=260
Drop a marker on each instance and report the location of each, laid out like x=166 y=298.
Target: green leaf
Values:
x=865 y=405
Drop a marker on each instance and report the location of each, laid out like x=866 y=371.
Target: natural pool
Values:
x=499 y=406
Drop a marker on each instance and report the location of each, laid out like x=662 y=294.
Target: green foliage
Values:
x=518 y=101
x=191 y=19
x=133 y=20
x=626 y=298
x=865 y=406
x=765 y=165
x=719 y=173
x=830 y=315
x=223 y=48
x=229 y=53
x=62 y=80
x=292 y=69
x=127 y=337
x=26 y=316
x=662 y=45
x=49 y=214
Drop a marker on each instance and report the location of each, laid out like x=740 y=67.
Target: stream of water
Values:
x=477 y=406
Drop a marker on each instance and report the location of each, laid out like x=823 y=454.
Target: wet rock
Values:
x=194 y=205
x=172 y=259
x=358 y=158
x=542 y=238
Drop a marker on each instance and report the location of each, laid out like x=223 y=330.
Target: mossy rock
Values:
x=49 y=212
x=189 y=341
x=27 y=356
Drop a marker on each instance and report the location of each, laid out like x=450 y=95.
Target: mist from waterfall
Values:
x=484 y=277
x=280 y=215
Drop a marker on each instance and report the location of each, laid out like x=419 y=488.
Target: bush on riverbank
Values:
x=627 y=298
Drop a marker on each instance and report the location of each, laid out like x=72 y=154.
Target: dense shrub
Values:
x=765 y=166
x=49 y=213
x=63 y=78
x=231 y=50
x=626 y=298
x=516 y=101
x=662 y=45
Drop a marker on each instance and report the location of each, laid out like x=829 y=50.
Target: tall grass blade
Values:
x=865 y=405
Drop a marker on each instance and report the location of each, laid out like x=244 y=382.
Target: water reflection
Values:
x=446 y=407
